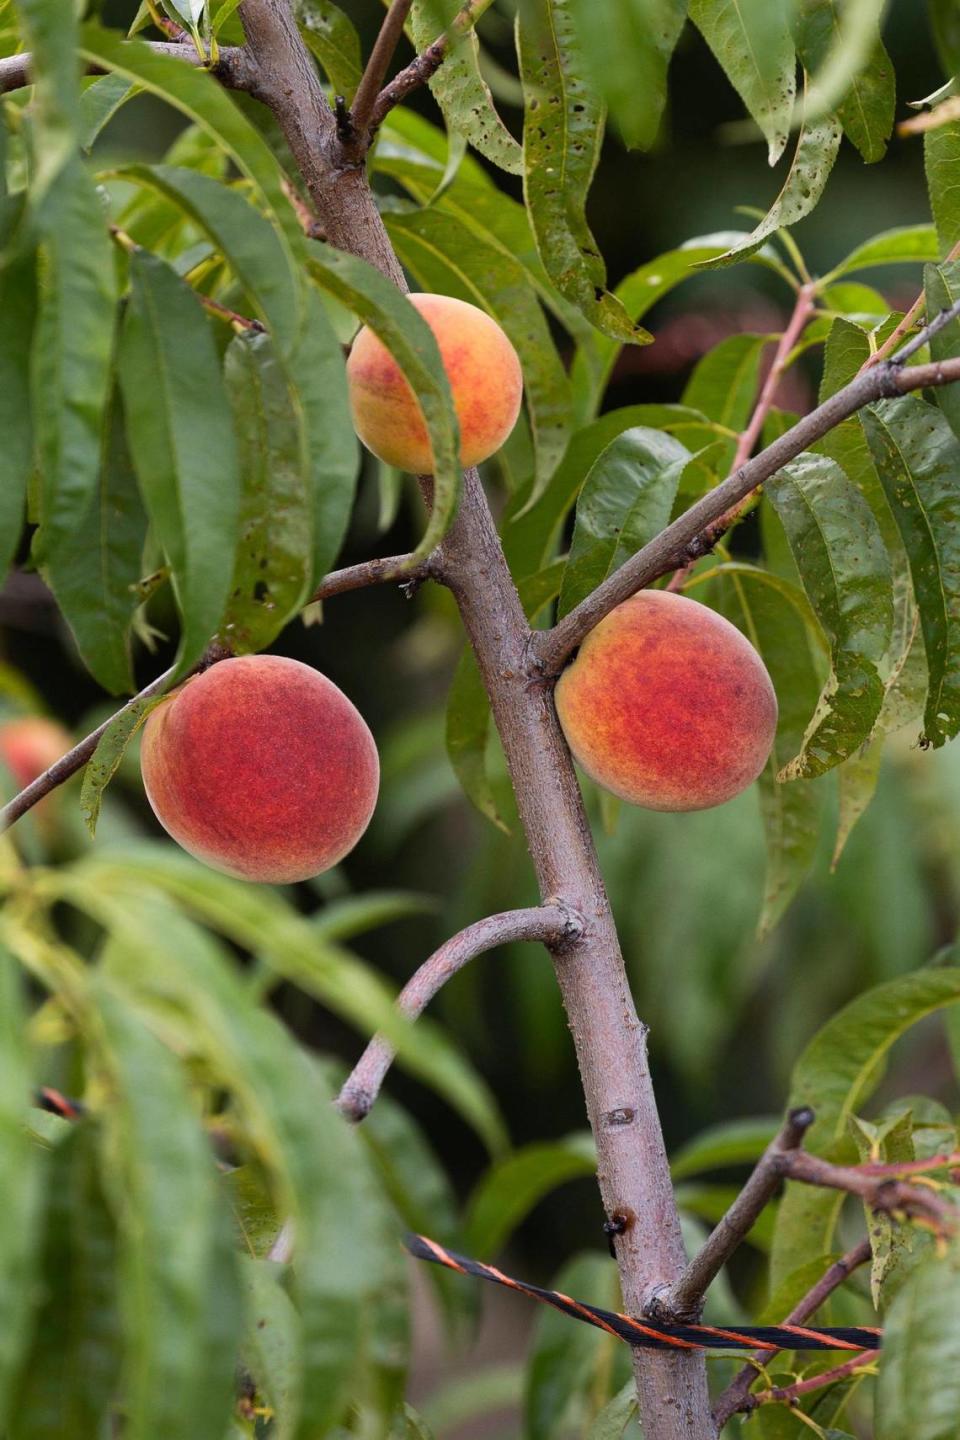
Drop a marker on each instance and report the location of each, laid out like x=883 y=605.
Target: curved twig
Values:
x=554 y=924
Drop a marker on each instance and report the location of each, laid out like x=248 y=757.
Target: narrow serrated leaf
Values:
x=941 y=155
x=724 y=383
x=510 y=1189
x=562 y=132
x=752 y=42
x=840 y=47
x=180 y=433
x=919 y=1388
x=105 y=760
x=845 y=570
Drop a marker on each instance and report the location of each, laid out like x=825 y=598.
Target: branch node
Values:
x=346 y=132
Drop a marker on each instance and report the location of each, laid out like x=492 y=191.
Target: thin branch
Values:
x=802 y=310
x=732 y=1399
x=553 y=924
x=879 y=1192
x=686 y=540
x=232 y=66
x=684 y=1300
x=790 y=1394
x=425 y=65
x=338 y=582
x=905 y=325
x=378 y=63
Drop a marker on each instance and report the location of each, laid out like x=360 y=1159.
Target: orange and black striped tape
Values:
x=654 y=1336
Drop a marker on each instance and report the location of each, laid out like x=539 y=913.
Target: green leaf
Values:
x=564 y=1357
x=467 y=732
x=408 y=1425
x=70 y=1377
x=854 y=75
x=817 y=146
x=49 y=30
x=274 y=556
x=836 y=1074
x=474 y=1396
x=460 y=89
x=562 y=132
x=352 y=915
x=616 y=1415
x=271 y=1347
x=105 y=760
x=627 y=45
x=203 y=101
x=72 y=352
x=252 y=247
x=891 y=1143
x=752 y=42
x=180 y=433
x=723 y=385
x=626 y=500
x=331 y=36
x=941 y=284
x=919 y=1388
x=410 y=341
x=99 y=103
x=447 y=257
x=179 y=1290
x=845 y=569
x=19 y=1166
x=905 y=245
x=94 y=573
x=771 y=618
x=856 y=784
x=941 y=154
x=918 y=460
x=734 y=1142
x=18 y=307
x=510 y=1189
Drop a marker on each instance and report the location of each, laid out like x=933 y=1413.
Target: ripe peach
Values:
x=667 y=705
x=30 y=744
x=262 y=768
x=485 y=379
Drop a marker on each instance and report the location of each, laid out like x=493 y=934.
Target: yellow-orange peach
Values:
x=667 y=705
x=30 y=744
x=262 y=768
x=485 y=380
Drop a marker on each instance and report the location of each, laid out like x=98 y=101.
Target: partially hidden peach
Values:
x=667 y=705
x=485 y=380
x=30 y=744
x=262 y=768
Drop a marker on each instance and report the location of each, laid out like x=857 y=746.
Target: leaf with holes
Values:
x=752 y=42
x=105 y=760
x=840 y=47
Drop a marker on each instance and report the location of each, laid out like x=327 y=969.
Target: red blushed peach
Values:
x=30 y=744
x=485 y=380
x=262 y=768
x=667 y=705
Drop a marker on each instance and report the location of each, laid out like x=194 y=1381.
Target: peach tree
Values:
x=203 y=1238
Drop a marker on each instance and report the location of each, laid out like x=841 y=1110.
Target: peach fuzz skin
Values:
x=30 y=744
x=485 y=380
x=667 y=705
x=262 y=768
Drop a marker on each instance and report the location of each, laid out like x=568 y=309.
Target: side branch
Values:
x=684 y=1300
x=425 y=65
x=376 y=67
x=553 y=924
x=338 y=582
x=232 y=66
x=687 y=538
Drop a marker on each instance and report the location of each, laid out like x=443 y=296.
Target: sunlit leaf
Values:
x=906 y=245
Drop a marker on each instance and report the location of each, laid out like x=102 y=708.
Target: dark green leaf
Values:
x=180 y=433
x=274 y=556
x=760 y=606
x=734 y=1142
x=459 y=88
x=332 y=38
x=941 y=154
x=626 y=499
x=836 y=1074
x=94 y=572
x=723 y=385
x=179 y=1289
x=271 y=1347
x=100 y=101
x=562 y=131
x=854 y=74
x=919 y=1388
x=410 y=341
x=918 y=460
x=252 y=247
x=817 y=147
x=945 y=24
x=50 y=32
x=18 y=307
x=752 y=42
x=845 y=569
x=564 y=1356
x=105 y=760
x=628 y=45
x=467 y=732
x=448 y=257
x=941 y=284
x=510 y=1189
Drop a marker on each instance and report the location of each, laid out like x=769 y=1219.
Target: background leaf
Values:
x=628 y=45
